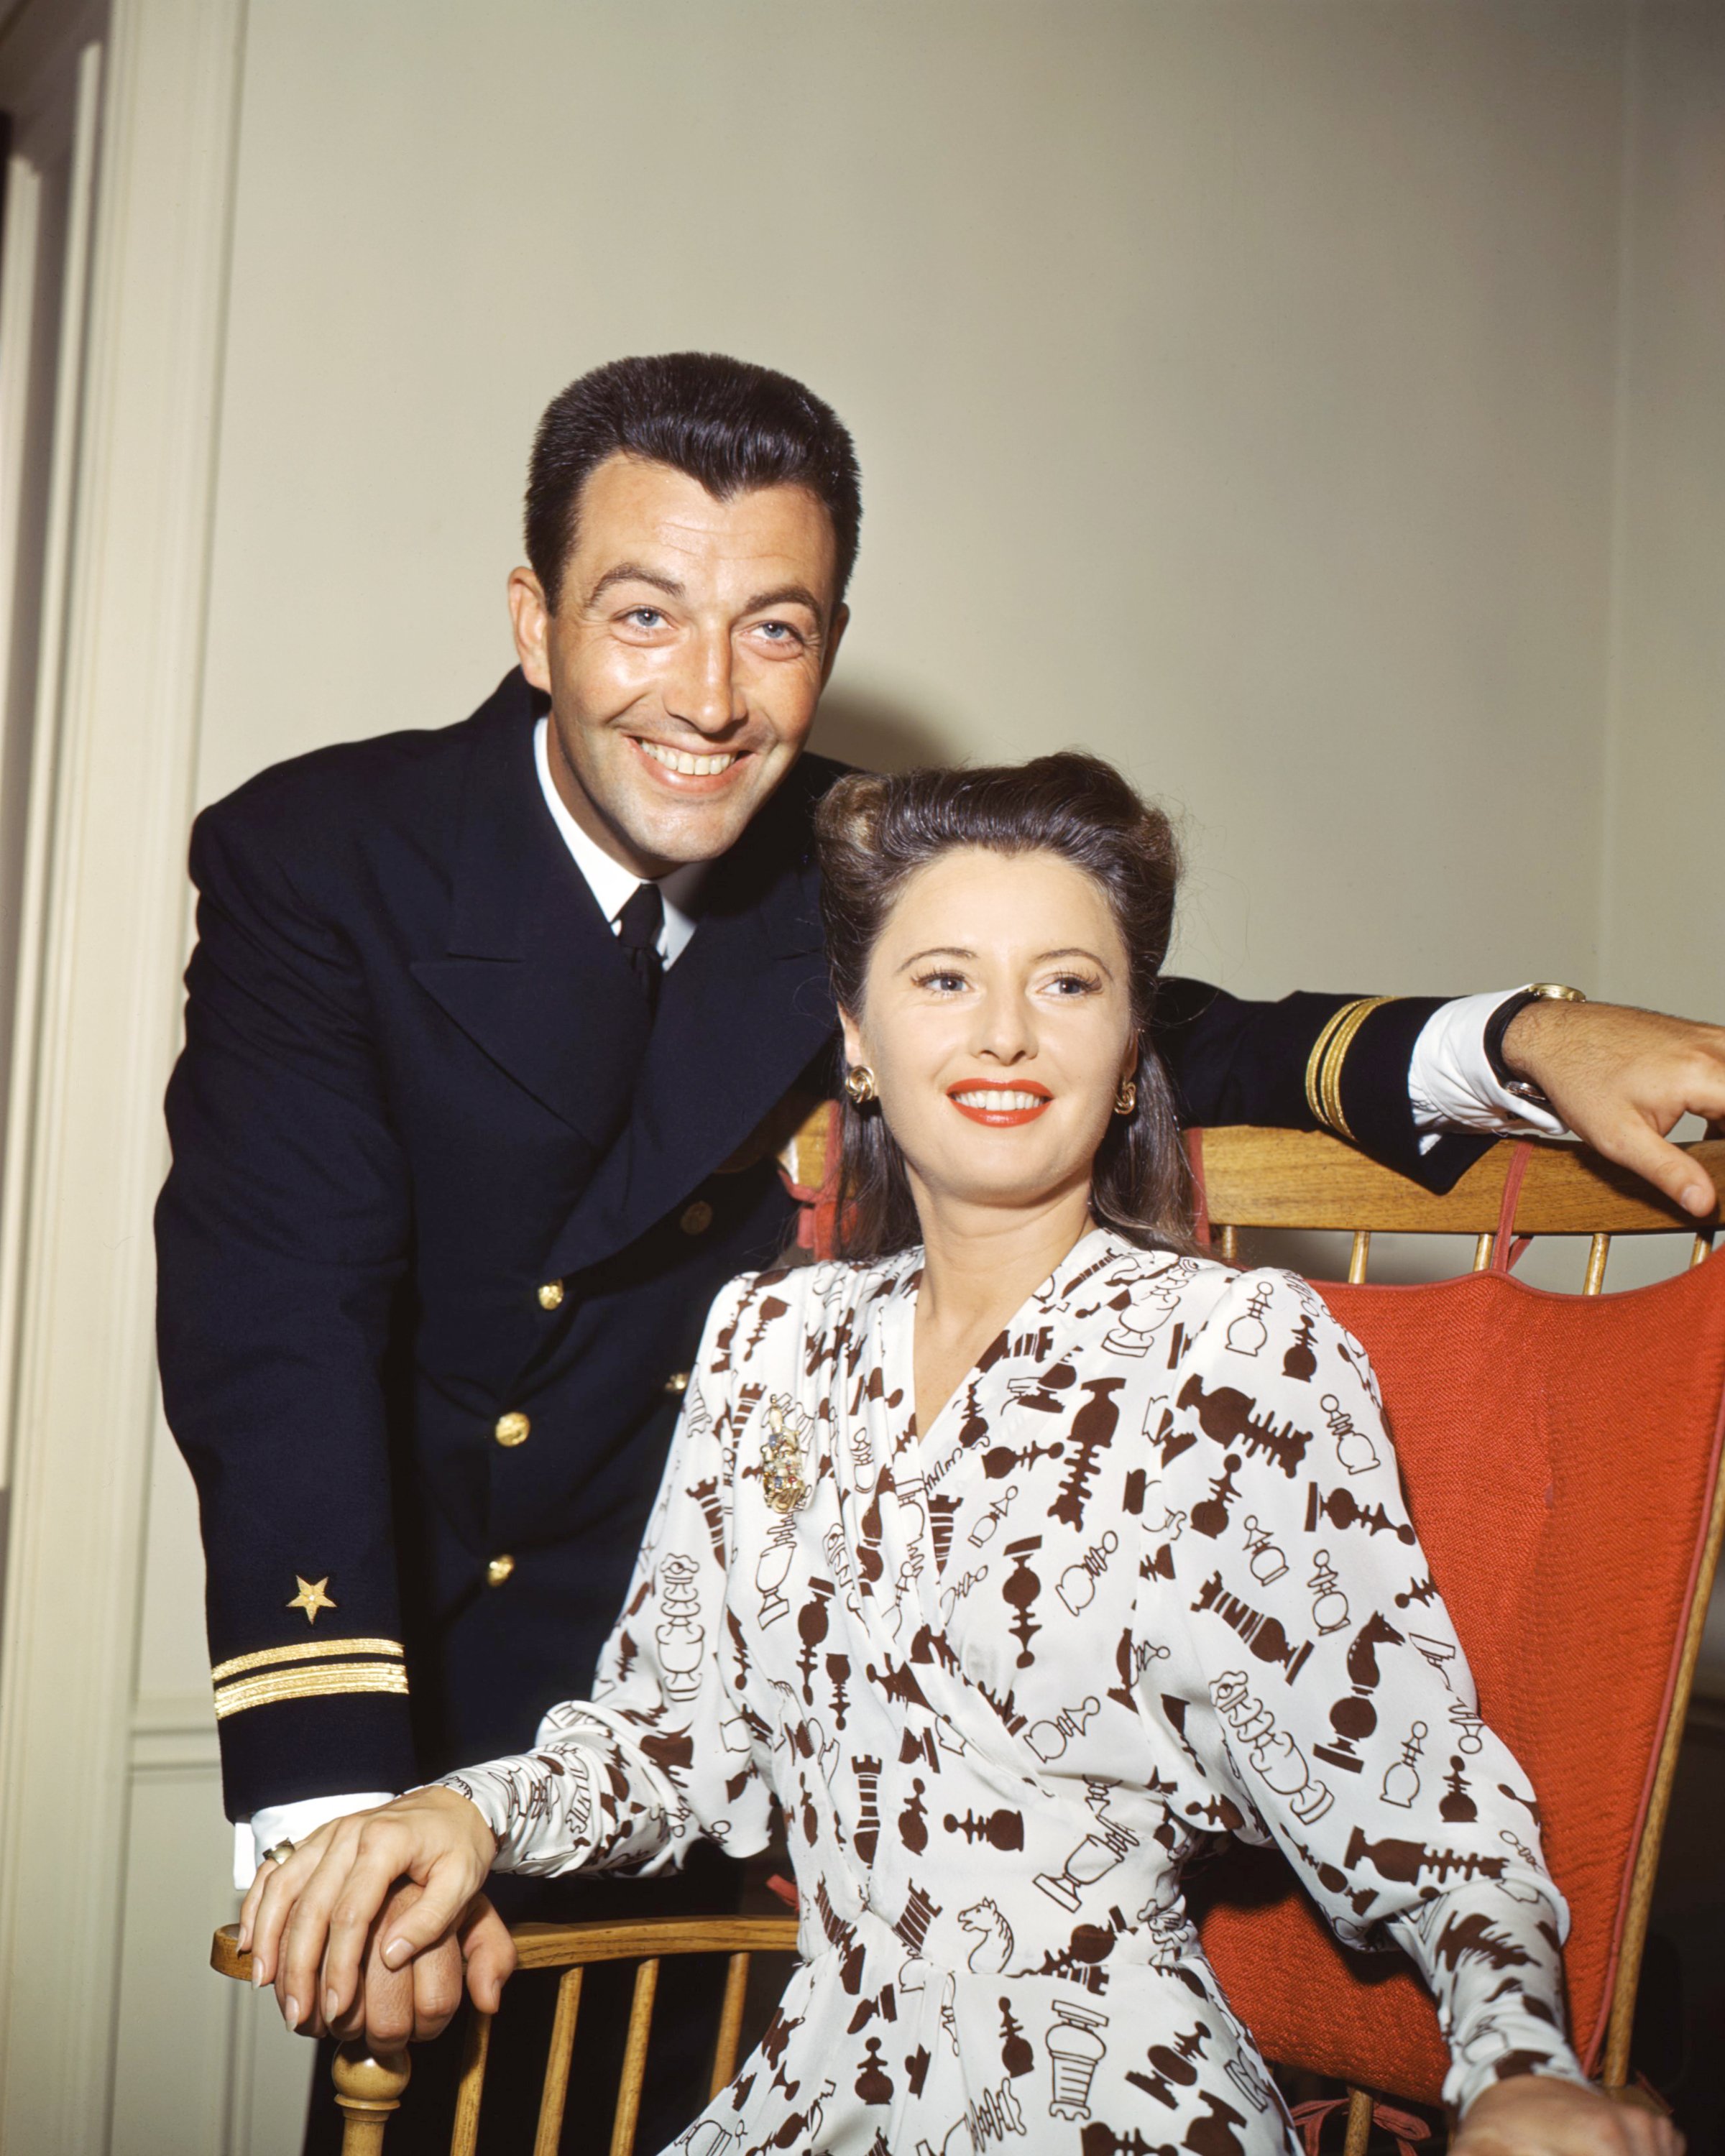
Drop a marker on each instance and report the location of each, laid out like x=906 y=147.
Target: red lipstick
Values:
x=1000 y=1118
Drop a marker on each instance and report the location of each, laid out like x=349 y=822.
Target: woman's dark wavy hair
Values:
x=874 y=834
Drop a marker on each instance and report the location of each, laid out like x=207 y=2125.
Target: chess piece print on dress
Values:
x=860 y=1085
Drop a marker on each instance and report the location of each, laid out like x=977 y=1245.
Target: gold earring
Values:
x=1126 y=1100
x=860 y=1085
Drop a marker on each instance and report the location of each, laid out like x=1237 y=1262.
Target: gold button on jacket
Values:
x=697 y=1218
x=512 y=1429
x=550 y=1296
x=678 y=1382
x=498 y=1569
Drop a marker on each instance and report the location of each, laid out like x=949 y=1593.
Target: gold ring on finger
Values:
x=278 y=1852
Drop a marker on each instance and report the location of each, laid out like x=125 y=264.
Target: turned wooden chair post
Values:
x=368 y=2090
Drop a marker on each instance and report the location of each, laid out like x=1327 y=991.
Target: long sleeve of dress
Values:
x=1289 y=1631
x=662 y=1753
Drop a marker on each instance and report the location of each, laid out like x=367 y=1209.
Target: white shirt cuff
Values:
x=292 y=1823
x=1451 y=1084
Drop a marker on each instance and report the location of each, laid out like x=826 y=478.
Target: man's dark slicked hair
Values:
x=728 y=424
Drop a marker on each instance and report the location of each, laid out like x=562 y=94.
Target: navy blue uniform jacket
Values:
x=419 y=1101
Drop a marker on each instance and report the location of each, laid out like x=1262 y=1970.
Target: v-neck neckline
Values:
x=908 y=1293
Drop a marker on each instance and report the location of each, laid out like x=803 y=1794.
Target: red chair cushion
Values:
x=1559 y=1454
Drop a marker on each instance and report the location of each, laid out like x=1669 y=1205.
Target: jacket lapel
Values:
x=742 y=1012
x=531 y=972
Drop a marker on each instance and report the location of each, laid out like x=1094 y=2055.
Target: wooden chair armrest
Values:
x=560 y=1946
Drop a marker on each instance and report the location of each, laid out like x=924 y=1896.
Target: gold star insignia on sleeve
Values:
x=311 y=1597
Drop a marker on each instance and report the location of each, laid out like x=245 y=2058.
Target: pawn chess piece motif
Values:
x=1401 y=1781
x=874 y=2085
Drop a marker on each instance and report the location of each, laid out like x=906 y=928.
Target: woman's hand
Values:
x=1539 y=2115
x=363 y=1931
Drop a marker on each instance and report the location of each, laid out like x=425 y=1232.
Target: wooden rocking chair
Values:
x=1601 y=1417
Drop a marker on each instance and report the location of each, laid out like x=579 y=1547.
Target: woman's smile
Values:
x=1000 y=1104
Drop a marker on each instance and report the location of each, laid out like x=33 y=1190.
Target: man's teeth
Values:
x=992 y=1096
x=691 y=766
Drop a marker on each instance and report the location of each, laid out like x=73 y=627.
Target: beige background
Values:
x=1313 y=404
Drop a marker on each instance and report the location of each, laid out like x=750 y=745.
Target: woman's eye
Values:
x=1074 y=984
x=942 y=984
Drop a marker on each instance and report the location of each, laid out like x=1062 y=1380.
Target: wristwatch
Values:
x=1498 y=1024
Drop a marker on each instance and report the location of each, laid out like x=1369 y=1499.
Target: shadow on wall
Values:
x=875 y=733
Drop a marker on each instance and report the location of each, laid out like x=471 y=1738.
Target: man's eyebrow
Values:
x=786 y=595
x=631 y=573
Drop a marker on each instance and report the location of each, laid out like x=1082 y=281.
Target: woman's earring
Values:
x=1126 y=1100
x=860 y=1085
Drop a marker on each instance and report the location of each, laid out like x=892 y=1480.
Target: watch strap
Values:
x=1499 y=1022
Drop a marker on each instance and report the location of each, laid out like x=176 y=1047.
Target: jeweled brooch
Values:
x=783 y=1481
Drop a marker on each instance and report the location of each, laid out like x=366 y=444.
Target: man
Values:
x=492 y=1036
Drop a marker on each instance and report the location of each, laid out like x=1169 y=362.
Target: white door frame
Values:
x=116 y=739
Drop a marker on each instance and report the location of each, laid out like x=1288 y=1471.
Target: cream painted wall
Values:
x=1234 y=386
x=1662 y=896
x=1309 y=403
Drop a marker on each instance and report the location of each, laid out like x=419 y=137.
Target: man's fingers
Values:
x=436 y=1976
x=1634 y=1145
x=490 y=1953
x=377 y=2004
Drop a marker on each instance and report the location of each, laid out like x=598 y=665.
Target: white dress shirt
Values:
x=1450 y=1084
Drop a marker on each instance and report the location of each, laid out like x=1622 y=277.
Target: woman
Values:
x=994 y=1556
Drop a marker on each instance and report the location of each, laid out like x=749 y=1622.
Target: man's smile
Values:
x=684 y=763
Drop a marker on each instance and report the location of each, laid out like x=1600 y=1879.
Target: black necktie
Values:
x=638 y=927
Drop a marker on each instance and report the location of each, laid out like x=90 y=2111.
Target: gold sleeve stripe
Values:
x=1323 y=1069
x=305 y=1650
x=1315 y=1062
x=271 y=1689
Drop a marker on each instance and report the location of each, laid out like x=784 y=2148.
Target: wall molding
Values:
x=174 y=1732
x=119 y=748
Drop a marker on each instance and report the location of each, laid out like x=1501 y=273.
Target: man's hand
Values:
x=365 y=1929
x=1620 y=1079
x=1538 y=2115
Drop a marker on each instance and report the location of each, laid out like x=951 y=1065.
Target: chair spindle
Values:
x=1229 y=1244
x=1359 y=2122
x=1483 y=1251
x=464 y=2138
x=556 y=2097
x=736 y=1984
x=1703 y=1249
x=1598 y=1252
x=1358 y=1255
x=635 y=2060
x=368 y=2090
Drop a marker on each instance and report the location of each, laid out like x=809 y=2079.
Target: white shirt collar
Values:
x=609 y=881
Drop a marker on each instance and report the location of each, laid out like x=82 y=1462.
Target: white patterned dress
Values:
x=1149 y=1578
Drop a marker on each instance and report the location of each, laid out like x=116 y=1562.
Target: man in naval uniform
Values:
x=493 y=1035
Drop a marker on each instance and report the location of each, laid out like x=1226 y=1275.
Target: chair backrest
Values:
x=1562 y=1459
x=368 y=2090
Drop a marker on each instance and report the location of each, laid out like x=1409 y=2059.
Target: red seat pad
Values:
x=1559 y=1453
